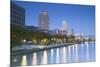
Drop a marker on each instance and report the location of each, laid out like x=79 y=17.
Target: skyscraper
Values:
x=44 y=20
x=17 y=15
x=64 y=27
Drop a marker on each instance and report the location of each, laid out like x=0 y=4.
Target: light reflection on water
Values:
x=69 y=53
x=57 y=56
x=64 y=55
x=87 y=51
x=34 y=60
x=44 y=57
x=75 y=53
x=24 y=60
x=52 y=54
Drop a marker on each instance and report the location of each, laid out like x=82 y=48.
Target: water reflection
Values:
x=34 y=61
x=87 y=51
x=76 y=53
x=44 y=57
x=52 y=54
x=73 y=53
x=64 y=55
x=15 y=60
x=57 y=55
x=67 y=54
x=82 y=44
x=24 y=60
x=52 y=51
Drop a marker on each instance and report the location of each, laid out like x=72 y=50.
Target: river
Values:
x=84 y=52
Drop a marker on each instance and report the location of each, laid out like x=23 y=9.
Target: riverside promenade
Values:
x=32 y=48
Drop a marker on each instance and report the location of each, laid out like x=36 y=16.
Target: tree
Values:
x=18 y=34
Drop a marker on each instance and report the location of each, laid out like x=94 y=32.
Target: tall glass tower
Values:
x=43 y=20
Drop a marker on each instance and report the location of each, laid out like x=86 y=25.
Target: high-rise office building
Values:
x=64 y=27
x=17 y=15
x=44 y=20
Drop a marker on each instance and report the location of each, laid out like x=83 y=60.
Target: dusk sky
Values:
x=81 y=18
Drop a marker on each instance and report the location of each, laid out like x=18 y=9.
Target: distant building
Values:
x=64 y=25
x=64 y=28
x=36 y=29
x=32 y=28
x=72 y=32
x=44 y=20
x=56 y=32
x=17 y=15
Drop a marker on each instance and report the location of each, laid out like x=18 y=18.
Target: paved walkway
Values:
x=31 y=48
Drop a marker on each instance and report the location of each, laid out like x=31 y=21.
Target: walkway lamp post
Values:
x=24 y=41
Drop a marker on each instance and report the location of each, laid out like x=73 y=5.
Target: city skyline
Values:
x=82 y=19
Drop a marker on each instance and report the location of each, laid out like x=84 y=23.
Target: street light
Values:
x=24 y=40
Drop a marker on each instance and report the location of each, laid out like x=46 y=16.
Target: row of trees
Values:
x=18 y=34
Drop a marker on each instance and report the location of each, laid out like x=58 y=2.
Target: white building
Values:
x=43 y=20
x=64 y=27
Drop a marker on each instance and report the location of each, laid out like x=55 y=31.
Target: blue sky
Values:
x=81 y=18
